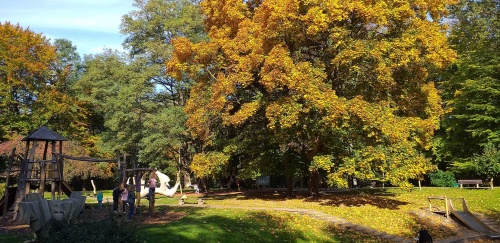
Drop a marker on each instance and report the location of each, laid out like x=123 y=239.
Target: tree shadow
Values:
x=266 y=195
x=379 y=198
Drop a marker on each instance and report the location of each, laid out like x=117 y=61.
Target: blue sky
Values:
x=90 y=24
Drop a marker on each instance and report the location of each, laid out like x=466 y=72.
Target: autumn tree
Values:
x=471 y=87
x=346 y=81
x=26 y=59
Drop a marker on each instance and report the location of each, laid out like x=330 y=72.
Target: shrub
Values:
x=442 y=178
x=110 y=229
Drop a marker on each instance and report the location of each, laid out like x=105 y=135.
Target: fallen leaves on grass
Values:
x=163 y=217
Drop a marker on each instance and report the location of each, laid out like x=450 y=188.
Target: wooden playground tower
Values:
x=35 y=174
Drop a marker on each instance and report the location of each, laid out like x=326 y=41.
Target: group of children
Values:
x=125 y=194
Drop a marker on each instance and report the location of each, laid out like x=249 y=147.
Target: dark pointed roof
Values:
x=44 y=134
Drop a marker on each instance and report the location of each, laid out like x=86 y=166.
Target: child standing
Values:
x=130 y=201
x=124 y=198
x=99 y=199
x=152 y=184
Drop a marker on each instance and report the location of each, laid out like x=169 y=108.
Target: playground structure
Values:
x=26 y=201
x=464 y=216
x=164 y=188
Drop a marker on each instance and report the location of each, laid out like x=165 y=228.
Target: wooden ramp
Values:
x=469 y=219
x=66 y=188
x=12 y=198
x=472 y=222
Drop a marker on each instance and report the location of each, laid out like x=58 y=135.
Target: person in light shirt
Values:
x=123 y=198
x=152 y=184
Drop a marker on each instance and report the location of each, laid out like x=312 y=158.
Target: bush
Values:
x=442 y=178
x=110 y=229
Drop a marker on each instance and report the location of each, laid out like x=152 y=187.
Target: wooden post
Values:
x=41 y=188
x=120 y=175
x=53 y=173
x=42 y=170
x=30 y=166
x=151 y=204
x=9 y=166
x=60 y=163
x=122 y=169
x=60 y=170
x=447 y=208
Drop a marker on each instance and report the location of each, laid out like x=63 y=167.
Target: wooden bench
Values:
x=470 y=182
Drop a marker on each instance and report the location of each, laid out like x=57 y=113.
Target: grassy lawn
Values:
x=238 y=218
x=389 y=210
x=7 y=238
x=240 y=225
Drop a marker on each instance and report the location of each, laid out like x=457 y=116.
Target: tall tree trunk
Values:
x=186 y=178
x=202 y=184
x=313 y=185
x=289 y=185
x=289 y=173
x=314 y=178
x=491 y=183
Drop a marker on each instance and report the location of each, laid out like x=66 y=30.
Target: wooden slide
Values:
x=471 y=221
x=66 y=188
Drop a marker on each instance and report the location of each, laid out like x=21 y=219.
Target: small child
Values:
x=151 y=185
x=124 y=198
x=99 y=199
x=130 y=201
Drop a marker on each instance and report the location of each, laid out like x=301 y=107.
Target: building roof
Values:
x=44 y=134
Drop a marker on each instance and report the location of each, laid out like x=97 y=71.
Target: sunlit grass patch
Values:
x=389 y=210
x=240 y=225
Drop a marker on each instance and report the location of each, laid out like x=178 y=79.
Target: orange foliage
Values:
x=357 y=66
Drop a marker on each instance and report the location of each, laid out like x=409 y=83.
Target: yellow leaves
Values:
x=183 y=53
x=247 y=110
x=223 y=13
x=354 y=67
x=323 y=162
x=208 y=164
x=276 y=69
x=432 y=38
x=316 y=20
x=284 y=113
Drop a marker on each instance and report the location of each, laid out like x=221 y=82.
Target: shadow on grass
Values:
x=379 y=198
x=229 y=225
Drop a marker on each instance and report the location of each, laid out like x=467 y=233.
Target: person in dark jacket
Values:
x=116 y=196
x=131 y=200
